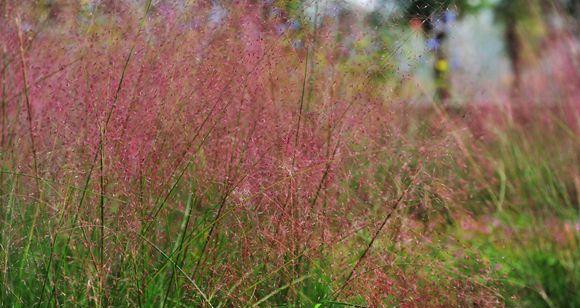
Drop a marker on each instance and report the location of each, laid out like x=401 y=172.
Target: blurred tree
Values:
x=513 y=13
x=433 y=18
x=290 y=9
x=527 y=22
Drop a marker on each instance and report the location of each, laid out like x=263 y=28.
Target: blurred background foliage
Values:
x=375 y=37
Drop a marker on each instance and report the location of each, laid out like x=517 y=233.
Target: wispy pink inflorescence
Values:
x=219 y=101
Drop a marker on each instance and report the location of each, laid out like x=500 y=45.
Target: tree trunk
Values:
x=441 y=73
x=441 y=69
x=513 y=49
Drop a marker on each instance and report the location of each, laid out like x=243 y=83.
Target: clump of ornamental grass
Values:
x=211 y=155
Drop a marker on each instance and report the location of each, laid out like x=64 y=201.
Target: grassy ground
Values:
x=506 y=235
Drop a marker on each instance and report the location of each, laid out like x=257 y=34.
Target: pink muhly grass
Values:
x=291 y=163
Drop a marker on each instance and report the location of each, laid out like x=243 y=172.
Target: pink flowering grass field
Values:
x=237 y=153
